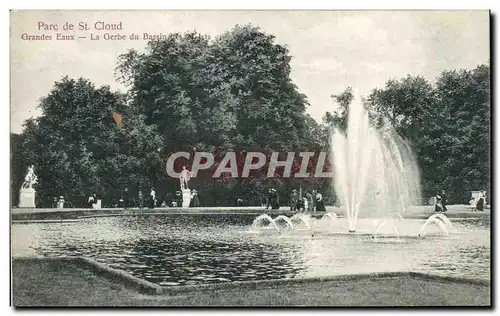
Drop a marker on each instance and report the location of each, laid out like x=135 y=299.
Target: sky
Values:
x=330 y=50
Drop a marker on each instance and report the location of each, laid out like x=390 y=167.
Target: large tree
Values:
x=230 y=93
x=406 y=104
x=338 y=117
x=76 y=145
x=457 y=148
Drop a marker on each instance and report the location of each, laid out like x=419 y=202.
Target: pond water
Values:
x=184 y=249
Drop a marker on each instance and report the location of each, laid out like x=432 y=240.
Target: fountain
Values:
x=372 y=166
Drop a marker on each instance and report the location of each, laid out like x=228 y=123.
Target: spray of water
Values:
x=373 y=167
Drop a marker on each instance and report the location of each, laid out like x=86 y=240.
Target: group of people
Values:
x=478 y=202
x=312 y=201
x=148 y=201
x=60 y=202
x=178 y=199
x=440 y=205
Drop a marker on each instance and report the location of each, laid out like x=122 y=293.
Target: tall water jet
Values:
x=373 y=167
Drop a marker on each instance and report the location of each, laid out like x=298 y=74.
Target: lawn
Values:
x=53 y=283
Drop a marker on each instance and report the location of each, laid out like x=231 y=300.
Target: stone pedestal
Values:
x=97 y=206
x=186 y=198
x=27 y=197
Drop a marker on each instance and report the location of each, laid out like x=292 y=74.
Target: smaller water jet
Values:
x=445 y=220
x=283 y=218
x=383 y=223
x=440 y=220
x=329 y=215
x=398 y=216
x=264 y=218
x=301 y=218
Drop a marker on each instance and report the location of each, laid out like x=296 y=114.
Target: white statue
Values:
x=184 y=178
x=30 y=179
x=27 y=192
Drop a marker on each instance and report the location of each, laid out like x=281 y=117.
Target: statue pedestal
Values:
x=27 y=197
x=186 y=198
x=97 y=206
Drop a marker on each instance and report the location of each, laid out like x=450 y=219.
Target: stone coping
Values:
x=34 y=221
x=139 y=213
x=17 y=214
x=172 y=209
x=38 y=218
x=147 y=287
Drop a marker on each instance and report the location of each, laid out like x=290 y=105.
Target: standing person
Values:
x=60 y=203
x=438 y=206
x=480 y=202
x=268 y=200
x=320 y=205
x=152 y=196
x=314 y=200
x=195 y=202
x=294 y=200
x=309 y=198
x=443 y=200
x=177 y=200
x=126 y=198
x=54 y=202
x=272 y=200
x=276 y=200
x=305 y=204
x=141 y=199
x=92 y=200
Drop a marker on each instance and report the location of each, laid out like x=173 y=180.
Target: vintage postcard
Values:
x=250 y=158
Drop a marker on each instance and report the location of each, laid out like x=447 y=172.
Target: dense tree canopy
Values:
x=77 y=147
x=187 y=92
x=234 y=93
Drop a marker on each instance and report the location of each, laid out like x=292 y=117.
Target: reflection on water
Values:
x=195 y=249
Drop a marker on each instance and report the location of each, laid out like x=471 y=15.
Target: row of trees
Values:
x=234 y=93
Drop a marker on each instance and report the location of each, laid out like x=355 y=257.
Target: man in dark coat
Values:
x=294 y=199
x=272 y=200
x=126 y=198
x=320 y=205
x=443 y=200
x=141 y=199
